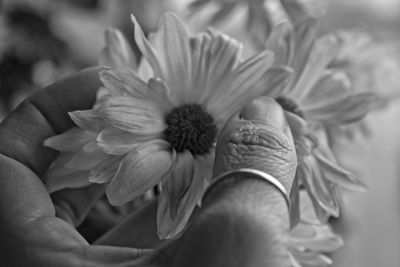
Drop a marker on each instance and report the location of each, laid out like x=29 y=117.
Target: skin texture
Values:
x=258 y=137
x=242 y=222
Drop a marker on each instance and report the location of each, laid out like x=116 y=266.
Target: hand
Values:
x=242 y=221
x=37 y=229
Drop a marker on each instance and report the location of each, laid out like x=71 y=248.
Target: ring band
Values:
x=255 y=173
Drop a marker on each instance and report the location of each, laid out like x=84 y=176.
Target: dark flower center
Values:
x=190 y=127
x=289 y=105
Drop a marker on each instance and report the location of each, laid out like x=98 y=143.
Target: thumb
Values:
x=258 y=137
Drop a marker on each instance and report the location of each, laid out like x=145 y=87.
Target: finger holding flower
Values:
x=161 y=131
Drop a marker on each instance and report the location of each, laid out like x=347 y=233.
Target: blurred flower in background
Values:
x=261 y=15
x=316 y=96
x=372 y=65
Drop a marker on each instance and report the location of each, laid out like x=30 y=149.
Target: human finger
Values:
x=258 y=137
x=44 y=114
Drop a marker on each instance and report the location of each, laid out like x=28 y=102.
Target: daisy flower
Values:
x=316 y=97
x=158 y=130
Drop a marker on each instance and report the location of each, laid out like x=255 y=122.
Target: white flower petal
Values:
x=259 y=22
x=175 y=55
x=333 y=86
x=144 y=70
x=224 y=11
x=296 y=11
x=308 y=243
x=275 y=81
x=86 y=160
x=304 y=38
x=139 y=171
x=164 y=220
x=115 y=141
x=58 y=166
x=177 y=184
x=161 y=94
x=71 y=140
x=281 y=42
x=324 y=50
x=207 y=166
x=338 y=175
x=201 y=58
x=105 y=171
x=145 y=48
x=321 y=191
x=321 y=239
x=192 y=196
x=102 y=92
x=239 y=88
x=90 y=147
x=76 y=179
x=138 y=116
x=300 y=42
x=181 y=192
x=89 y=120
x=293 y=261
x=308 y=214
x=197 y=5
x=299 y=129
x=321 y=214
x=59 y=176
x=124 y=82
x=214 y=56
x=349 y=109
x=311 y=258
x=117 y=53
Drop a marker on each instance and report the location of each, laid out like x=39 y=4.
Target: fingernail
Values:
x=264 y=109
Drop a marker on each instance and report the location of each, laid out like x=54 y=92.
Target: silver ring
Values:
x=255 y=173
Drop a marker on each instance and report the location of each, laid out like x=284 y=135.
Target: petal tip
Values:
x=133 y=19
x=113 y=200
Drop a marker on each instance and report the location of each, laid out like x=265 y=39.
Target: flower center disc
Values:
x=289 y=105
x=190 y=127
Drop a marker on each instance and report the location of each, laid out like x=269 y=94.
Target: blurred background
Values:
x=42 y=40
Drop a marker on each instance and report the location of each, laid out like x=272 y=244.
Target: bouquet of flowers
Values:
x=156 y=119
